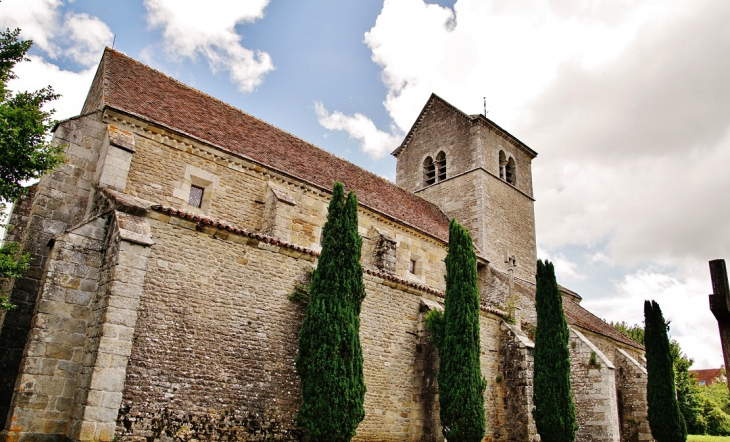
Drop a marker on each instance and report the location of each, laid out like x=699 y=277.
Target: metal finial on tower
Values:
x=485 y=107
x=114 y=40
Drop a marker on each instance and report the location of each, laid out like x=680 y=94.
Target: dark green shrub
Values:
x=554 y=411
x=330 y=357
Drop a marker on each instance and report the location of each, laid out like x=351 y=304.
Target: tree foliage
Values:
x=665 y=418
x=330 y=357
x=705 y=410
x=24 y=151
x=554 y=411
x=455 y=334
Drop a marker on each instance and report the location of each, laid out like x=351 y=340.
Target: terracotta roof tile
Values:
x=587 y=320
x=132 y=87
x=709 y=375
x=576 y=315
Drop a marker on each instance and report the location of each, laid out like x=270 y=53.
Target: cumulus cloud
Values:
x=73 y=86
x=566 y=271
x=683 y=302
x=191 y=29
x=373 y=141
x=627 y=103
x=37 y=19
x=88 y=36
x=78 y=37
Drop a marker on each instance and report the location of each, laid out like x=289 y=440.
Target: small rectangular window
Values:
x=196 y=196
x=412 y=268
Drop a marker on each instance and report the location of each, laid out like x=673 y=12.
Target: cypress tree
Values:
x=461 y=385
x=665 y=420
x=330 y=361
x=554 y=411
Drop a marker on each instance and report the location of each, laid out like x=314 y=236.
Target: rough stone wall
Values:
x=510 y=227
x=594 y=391
x=468 y=208
x=492 y=142
x=44 y=392
x=426 y=422
x=631 y=380
x=516 y=365
x=60 y=202
x=441 y=128
x=215 y=340
x=245 y=198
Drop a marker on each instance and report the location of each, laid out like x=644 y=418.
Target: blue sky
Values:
x=626 y=101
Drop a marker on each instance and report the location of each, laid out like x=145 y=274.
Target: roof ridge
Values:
x=288 y=134
x=186 y=86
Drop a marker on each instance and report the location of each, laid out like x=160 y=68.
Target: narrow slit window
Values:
x=429 y=171
x=196 y=196
x=412 y=267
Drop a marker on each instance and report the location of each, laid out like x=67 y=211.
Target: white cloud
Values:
x=192 y=28
x=78 y=37
x=627 y=103
x=373 y=141
x=601 y=258
x=566 y=271
x=73 y=86
x=683 y=302
x=88 y=37
x=38 y=20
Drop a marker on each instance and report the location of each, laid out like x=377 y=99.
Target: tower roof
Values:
x=479 y=118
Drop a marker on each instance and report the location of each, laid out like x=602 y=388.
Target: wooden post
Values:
x=720 y=305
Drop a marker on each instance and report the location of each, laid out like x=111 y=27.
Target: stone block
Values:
x=107 y=379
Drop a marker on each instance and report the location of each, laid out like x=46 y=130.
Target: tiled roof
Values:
x=578 y=316
x=136 y=89
x=709 y=375
x=581 y=317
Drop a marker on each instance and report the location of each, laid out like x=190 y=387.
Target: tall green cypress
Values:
x=330 y=361
x=665 y=420
x=461 y=385
x=554 y=411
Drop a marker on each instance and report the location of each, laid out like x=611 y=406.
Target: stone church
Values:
x=166 y=246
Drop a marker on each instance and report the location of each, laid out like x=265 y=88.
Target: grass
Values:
x=703 y=438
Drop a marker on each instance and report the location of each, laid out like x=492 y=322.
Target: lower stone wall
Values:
x=45 y=389
x=631 y=380
x=594 y=391
x=216 y=341
x=516 y=367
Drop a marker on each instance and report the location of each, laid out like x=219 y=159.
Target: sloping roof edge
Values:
x=479 y=117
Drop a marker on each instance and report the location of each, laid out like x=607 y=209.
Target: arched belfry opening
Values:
x=511 y=172
x=502 y=165
x=441 y=165
x=429 y=171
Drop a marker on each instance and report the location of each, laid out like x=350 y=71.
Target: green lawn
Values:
x=692 y=438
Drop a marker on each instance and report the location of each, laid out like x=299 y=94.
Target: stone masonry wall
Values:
x=594 y=391
x=216 y=340
x=632 y=402
x=44 y=392
x=442 y=128
x=510 y=227
x=516 y=368
x=60 y=202
x=244 y=197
